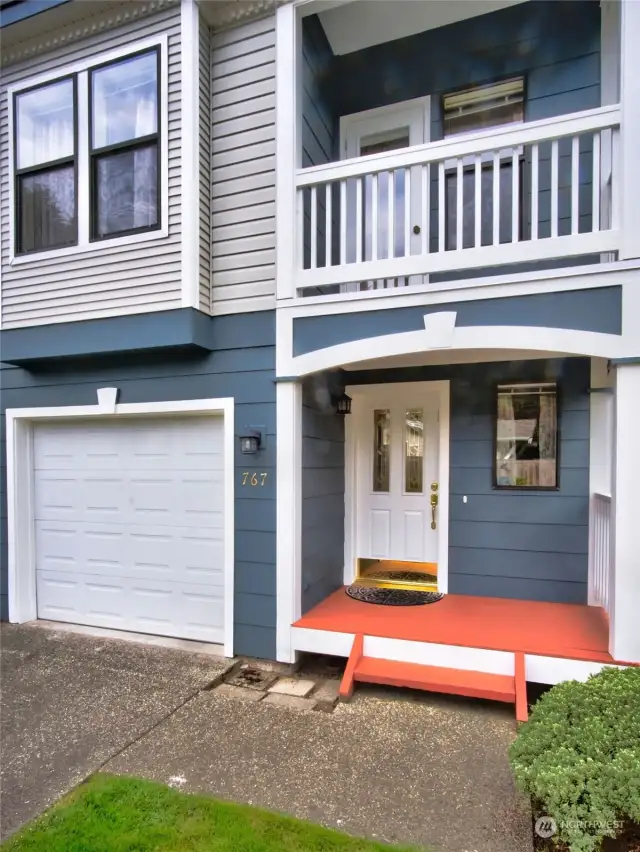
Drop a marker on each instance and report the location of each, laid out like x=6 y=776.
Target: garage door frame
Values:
x=20 y=490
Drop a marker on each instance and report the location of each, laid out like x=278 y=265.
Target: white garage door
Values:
x=129 y=524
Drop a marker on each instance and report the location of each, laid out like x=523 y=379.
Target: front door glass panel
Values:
x=414 y=451
x=381 y=450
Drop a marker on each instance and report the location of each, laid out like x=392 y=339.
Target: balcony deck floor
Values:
x=570 y=631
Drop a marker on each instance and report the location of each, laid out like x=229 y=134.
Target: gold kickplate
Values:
x=367 y=569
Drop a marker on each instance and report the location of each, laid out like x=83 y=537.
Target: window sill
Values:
x=98 y=245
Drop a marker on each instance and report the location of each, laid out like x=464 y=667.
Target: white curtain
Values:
x=144 y=168
x=506 y=443
x=547 y=439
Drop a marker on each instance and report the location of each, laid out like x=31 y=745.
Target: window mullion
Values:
x=82 y=159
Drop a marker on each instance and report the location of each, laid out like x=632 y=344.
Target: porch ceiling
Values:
x=350 y=26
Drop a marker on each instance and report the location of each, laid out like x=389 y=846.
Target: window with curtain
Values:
x=527 y=436
x=472 y=110
x=125 y=146
x=45 y=166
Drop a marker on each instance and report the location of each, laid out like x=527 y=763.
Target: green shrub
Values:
x=578 y=756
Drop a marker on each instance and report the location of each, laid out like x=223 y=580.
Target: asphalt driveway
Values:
x=70 y=702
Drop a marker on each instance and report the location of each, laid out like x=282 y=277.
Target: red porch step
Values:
x=507 y=688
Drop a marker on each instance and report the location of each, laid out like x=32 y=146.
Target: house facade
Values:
x=222 y=222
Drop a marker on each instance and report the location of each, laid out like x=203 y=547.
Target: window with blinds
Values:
x=483 y=106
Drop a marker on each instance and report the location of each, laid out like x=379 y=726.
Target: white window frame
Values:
x=20 y=489
x=81 y=70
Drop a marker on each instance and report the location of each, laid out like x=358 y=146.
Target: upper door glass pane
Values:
x=381 y=450
x=125 y=100
x=44 y=124
x=414 y=451
x=377 y=144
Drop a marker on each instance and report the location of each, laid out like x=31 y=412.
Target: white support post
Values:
x=624 y=636
x=600 y=454
x=288 y=515
x=629 y=170
x=190 y=156
x=288 y=148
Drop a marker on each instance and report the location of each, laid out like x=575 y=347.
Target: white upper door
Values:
x=128 y=521
x=384 y=232
x=397 y=457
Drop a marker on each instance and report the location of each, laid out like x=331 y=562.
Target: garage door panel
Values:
x=129 y=524
x=175 y=554
x=194 y=443
x=165 y=609
x=58 y=595
x=162 y=444
x=176 y=499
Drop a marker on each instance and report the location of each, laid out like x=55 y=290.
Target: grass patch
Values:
x=118 y=814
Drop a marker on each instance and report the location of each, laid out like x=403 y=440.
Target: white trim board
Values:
x=538 y=669
x=190 y=152
x=81 y=69
x=288 y=515
x=414 y=113
x=478 y=338
x=20 y=491
x=468 y=289
x=443 y=391
x=625 y=274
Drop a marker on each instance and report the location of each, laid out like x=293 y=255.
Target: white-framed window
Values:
x=88 y=154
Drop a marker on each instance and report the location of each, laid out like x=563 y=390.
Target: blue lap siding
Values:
x=241 y=366
x=322 y=493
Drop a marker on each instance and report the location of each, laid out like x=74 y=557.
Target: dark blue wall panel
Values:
x=242 y=367
x=555 y=44
x=320 y=134
x=322 y=493
x=586 y=310
x=513 y=544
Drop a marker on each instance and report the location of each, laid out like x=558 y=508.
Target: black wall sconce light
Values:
x=343 y=404
x=250 y=442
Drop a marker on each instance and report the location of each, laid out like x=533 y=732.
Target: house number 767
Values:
x=254 y=478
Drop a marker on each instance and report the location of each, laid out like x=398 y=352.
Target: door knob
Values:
x=416 y=229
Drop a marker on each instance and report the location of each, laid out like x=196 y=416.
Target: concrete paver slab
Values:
x=292 y=702
x=292 y=686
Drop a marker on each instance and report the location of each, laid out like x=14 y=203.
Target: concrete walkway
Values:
x=430 y=772
x=399 y=767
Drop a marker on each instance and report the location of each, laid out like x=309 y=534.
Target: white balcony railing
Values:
x=600 y=562
x=538 y=191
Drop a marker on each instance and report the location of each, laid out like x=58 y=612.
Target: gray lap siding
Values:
x=106 y=280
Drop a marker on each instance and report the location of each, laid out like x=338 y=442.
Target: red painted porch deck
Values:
x=570 y=631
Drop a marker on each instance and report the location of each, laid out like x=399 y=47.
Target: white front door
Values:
x=396 y=429
x=384 y=229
